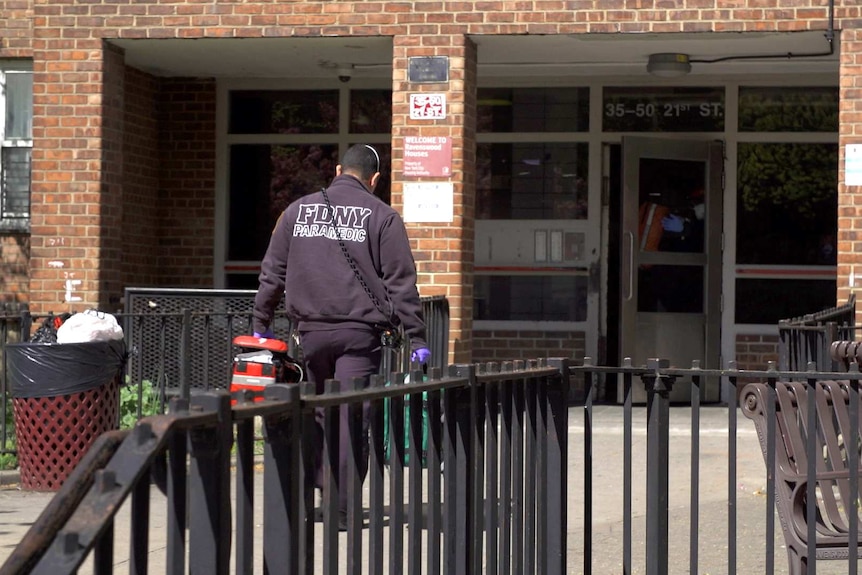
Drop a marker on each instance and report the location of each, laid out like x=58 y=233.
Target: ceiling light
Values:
x=668 y=65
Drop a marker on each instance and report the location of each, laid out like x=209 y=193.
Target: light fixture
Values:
x=668 y=65
x=345 y=72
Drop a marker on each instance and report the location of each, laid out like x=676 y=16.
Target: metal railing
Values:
x=808 y=338
x=493 y=481
x=659 y=379
x=495 y=490
x=177 y=349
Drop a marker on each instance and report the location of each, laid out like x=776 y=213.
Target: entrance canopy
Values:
x=498 y=55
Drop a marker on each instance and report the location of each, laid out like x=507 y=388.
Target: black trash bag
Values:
x=48 y=370
x=47 y=332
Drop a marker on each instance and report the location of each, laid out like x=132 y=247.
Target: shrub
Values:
x=129 y=401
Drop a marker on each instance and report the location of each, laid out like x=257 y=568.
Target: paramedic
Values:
x=345 y=276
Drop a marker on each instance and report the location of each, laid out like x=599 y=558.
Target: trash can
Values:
x=63 y=397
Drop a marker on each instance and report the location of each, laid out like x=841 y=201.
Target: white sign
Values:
x=427 y=106
x=429 y=201
x=853 y=165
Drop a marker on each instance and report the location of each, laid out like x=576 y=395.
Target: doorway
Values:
x=666 y=204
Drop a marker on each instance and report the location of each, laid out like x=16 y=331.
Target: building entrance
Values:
x=670 y=255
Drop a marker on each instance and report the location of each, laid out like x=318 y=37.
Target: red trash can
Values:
x=63 y=397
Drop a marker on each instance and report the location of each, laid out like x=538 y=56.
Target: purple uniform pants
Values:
x=341 y=354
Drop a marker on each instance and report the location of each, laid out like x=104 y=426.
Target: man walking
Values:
x=342 y=260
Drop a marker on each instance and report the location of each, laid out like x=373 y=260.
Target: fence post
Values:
x=185 y=350
x=824 y=358
x=282 y=485
x=556 y=479
x=658 y=387
x=209 y=487
x=460 y=559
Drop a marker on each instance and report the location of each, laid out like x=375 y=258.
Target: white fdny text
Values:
x=314 y=220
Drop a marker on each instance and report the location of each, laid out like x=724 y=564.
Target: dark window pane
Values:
x=767 y=301
x=370 y=111
x=16 y=183
x=283 y=112
x=533 y=110
x=807 y=109
x=671 y=189
x=531 y=181
x=670 y=289
x=264 y=180
x=530 y=298
x=787 y=204
x=19 y=105
x=384 y=184
x=242 y=281
x=656 y=109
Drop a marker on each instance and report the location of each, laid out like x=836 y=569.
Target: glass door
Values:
x=670 y=259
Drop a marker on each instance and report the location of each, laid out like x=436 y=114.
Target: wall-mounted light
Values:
x=668 y=65
x=345 y=72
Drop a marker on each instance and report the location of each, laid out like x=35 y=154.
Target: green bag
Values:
x=425 y=421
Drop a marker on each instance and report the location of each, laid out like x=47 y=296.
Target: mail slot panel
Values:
x=528 y=243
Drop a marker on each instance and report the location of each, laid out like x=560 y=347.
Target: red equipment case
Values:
x=262 y=362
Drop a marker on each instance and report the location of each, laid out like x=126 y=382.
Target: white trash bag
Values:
x=90 y=325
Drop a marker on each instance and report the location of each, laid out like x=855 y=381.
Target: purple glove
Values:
x=265 y=335
x=673 y=223
x=421 y=355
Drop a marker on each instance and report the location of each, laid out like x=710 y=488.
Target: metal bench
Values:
x=835 y=490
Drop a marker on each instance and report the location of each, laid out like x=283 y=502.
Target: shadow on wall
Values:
x=15 y=279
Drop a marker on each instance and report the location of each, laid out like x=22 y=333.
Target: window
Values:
x=283 y=144
x=786 y=203
x=16 y=145
x=660 y=109
x=532 y=164
x=768 y=109
x=522 y=181
x=508 y=110
x=531 y=298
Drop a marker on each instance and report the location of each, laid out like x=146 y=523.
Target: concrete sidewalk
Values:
x=19 y=509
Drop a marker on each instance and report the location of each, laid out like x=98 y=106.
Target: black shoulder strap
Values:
x=352 y=263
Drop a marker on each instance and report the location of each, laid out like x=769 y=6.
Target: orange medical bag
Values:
x=262 y=362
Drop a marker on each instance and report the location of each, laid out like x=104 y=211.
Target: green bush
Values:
x=8 y=460
x=129 y=401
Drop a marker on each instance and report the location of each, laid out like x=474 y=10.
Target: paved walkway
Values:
x=18 y=509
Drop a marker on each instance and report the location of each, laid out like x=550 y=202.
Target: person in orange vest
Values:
x=662 y=229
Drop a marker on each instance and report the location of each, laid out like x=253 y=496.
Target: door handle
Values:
x=630 y=282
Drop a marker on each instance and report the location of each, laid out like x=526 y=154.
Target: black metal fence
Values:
x=486 y=494
x=512 y=481
x=808 y=338
x=181 y=340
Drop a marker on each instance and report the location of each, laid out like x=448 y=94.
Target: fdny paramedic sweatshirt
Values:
x=305 y=263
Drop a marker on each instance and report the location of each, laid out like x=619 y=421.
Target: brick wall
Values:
x=187 y=182
x=755 y=351
x=141 y=165
x=443 y=252
x=15 y=255
x=109 y=211
x=850 y=132
x=68 y=193
x=508 y=344
x=16 y=28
